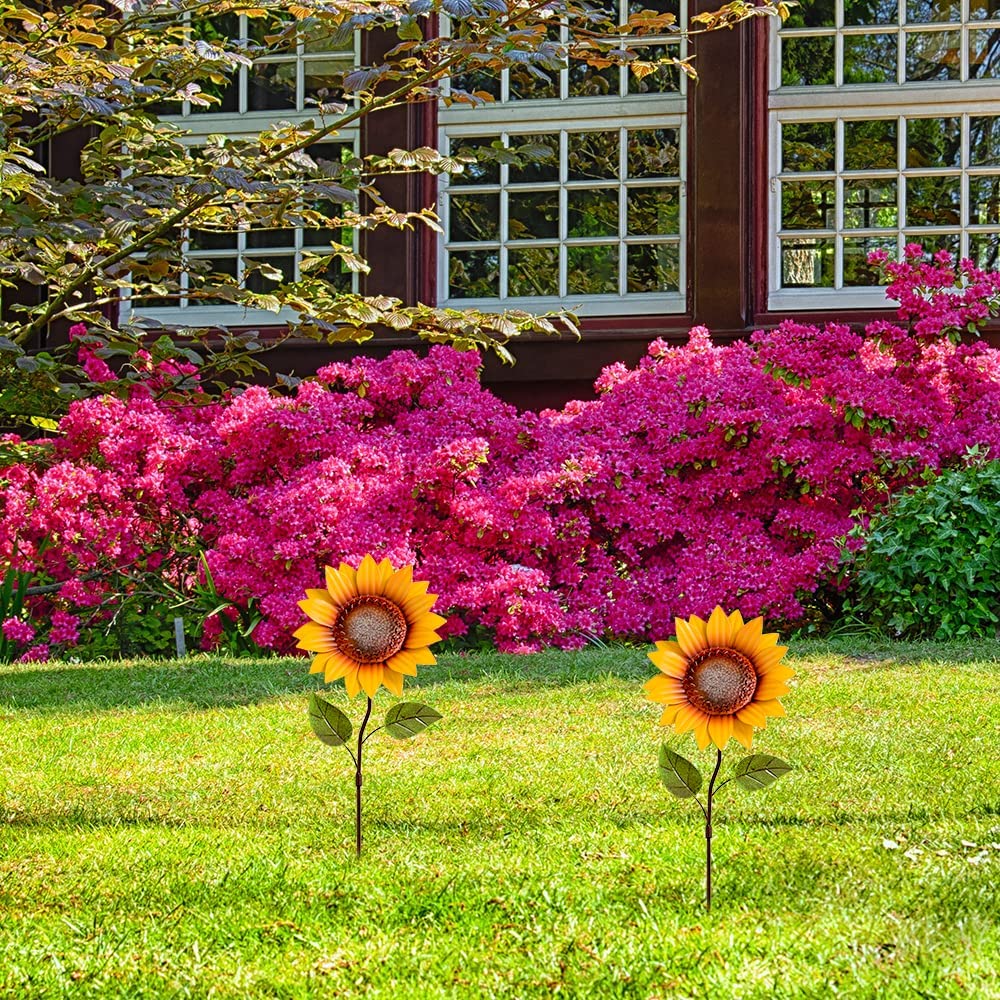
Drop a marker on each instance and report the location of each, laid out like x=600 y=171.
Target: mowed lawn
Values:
x=175 y=830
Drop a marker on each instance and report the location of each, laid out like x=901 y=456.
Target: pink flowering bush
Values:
x=706 y=475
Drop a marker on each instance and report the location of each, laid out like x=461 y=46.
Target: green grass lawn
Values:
x=175 y=830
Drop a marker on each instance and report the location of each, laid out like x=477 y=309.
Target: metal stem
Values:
x=708 y=834
x=357 y=780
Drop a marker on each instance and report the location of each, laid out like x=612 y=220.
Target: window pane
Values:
x=257 y=282
x=206 y=239
x=222 y=271
x=592 y=270
x=592 y=213
x=933 y=201
x=870 y=58
x=819 y=14
x=857 y=270
x=474 y=274
x=807 y=146
x=533 y=271
x=984 y=142
x=593 y=155
x=984 y=249
x=271 y=238
x=654 y=211
x=870 y=205
x=480 y=79
x=870 y=12
x=927 y=11
x=807 y=62
x=984 y=54
x=933 y=142
x=589 y=81
x=474 y=217
x=540 y=158
x=982 y=10
x=984 y=201
x=271 y=86
x=654 y=267
x=480 y=172
x=933 y=55
x=932 y=242
x=653 y=153
x=870 y=145
x=533 y=215
x=324 y=78
x=807 y=205
x=807 y=264
x=664 y=79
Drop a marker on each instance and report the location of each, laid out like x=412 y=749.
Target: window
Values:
x=282 y=86
x=885 y=130
x=592 y=214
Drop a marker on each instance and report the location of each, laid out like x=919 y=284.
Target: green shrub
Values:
x=930 y=566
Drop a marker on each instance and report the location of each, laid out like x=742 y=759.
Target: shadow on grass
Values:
x=215 y=682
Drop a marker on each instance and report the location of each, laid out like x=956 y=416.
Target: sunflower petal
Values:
x=688 y=717
x=702 y=735
x=315 y=638
x=772 y=707
x=665 y=690
x=403 y=662
x=766 y=661
x=318 y=664
x=393 y=681
x=319 y=595
x=370 y=577
x=417 y=605
x=669 y=659
x=691 y=635
x=420 y=637
x=718 y=631
x=770 y=687
x=423 y=657
x=337 y=666
x=370 y=677
x=431 y=620
x=747 y=639
x=743 y=732
x=397 y=587
x=351 y=681
x=753 y=715
x=669 y=714
x=319 y=611
x=720 y=728
x=340 y=585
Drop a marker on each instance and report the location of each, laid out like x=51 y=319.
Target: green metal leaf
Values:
x=328 y=722
x=759 y=770
x=409 y=718
x=678 y=774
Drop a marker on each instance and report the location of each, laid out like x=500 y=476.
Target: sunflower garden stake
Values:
x=719 y=679
x=371 y=626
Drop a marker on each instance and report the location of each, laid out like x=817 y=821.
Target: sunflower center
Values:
x=369 y=629
x=720 y=681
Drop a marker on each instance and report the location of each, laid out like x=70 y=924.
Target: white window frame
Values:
x=841 y=102
x=565 y=114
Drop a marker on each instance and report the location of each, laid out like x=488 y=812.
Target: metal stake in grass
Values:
x=403 y=721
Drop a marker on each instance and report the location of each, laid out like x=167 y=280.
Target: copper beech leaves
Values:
x=328 y=722
x=409 y=718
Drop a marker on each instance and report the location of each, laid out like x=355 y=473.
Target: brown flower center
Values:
x=720 y=681
x=369 y=629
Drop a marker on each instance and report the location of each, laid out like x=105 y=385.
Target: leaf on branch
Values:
x=409 y=718
x=759 y=770
x=678 y=774
x=328 y=722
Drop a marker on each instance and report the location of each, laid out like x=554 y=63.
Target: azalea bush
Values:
x=707 y=474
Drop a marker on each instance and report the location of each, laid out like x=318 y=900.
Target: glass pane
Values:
x=807 y=264
x=984 y=54
x=338 y=273
x=271 y=238
x=327 y=38
x=984 y=249
x=533 y=82
x=533 y=271
x=984 y=141
x=662 y=78
x=654 y=267
x=223 y=271
x=870 y=205
x=870 y=145
x=984 y=201
x=934 y=242
x=933 y=201
x=271 y=86
x=807 y=146
x=933 y=142
x=481 y=172
x=933 y=55
x=533 y=215
x=256 y=281
x=927 y=11
x=870 y=58
x=807 y=62
x=811 y=15
x=654 y=211
x=857 y=270
x=593 y=155
x=473 y=217
x=870 y=12
x=589 y=81
x=592 y=270
x=654 y=153
x=218 y=31
x=473 y=274
x=258 y=28
x=540 y=158
x=478 y=80
x=325 y=236
x=325 y=77
x=592 y=213
x=982 y=10
x=205 y=239
x=807 y=205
